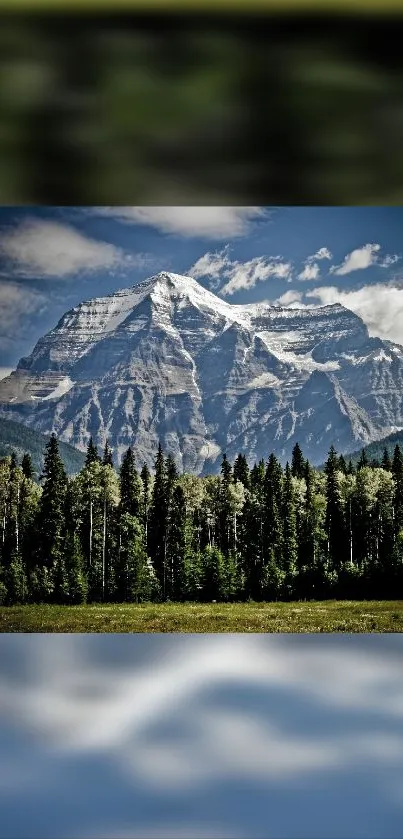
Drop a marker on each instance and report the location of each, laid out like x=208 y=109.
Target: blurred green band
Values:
x=319 y=6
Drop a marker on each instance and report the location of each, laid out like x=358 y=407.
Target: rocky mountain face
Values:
x=168 y=361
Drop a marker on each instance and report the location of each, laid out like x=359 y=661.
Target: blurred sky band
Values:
x=194 y=736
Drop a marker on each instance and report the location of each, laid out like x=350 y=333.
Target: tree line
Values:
x=263 y=533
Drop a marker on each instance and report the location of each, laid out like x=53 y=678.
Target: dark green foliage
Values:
x=107 y=458
x=27 y=466
x=386 y=462
x=157 y=530
x=92 y=455
x=337 y=544
x=51 y=519
x=259 y=534
x=363 y=460
x=130 y=486
x=297 y=462
x=241 y=471
x=23 y=440
x=377 y=449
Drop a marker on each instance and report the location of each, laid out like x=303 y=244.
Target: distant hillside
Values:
x=374 y=451
x=20 y=439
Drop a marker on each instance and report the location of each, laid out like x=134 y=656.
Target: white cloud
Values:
x=219 y=267
x=322 y=253
x=5 y=371
x=208 y=222
x=379 y=305
x=46 y=249
x=310 y=272
x=177 y=720
x=361 y=258
x=245 y=275
x=390 y=259
x=212 y=266
x=290 y=299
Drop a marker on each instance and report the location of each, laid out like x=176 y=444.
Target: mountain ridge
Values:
x=168 y=361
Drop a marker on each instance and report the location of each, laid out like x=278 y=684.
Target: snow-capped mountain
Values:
x=169 y=361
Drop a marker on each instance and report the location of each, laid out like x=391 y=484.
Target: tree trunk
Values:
x=104 y=552
x=90 y=562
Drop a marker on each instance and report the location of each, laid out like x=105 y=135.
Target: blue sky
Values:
x=221 y=736
x=53 y=258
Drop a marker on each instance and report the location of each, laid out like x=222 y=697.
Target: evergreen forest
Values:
x=264 y=533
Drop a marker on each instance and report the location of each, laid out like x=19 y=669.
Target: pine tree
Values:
x=50 y=520
x=158 y=521
x=225 y=520
x=92 y=455
x=27 y=467
x=107 y=458
x=363 y=461
x=397 y=472
x=241 y=471
x=350 y=468
x=290 y=541
x=273 y=528
x=130 y=485
x=386 y=462
x=75 y=579
x=145 y=498
x=177 y=546
x=135 y=578
x=297 y=462
x=342 y=465
x=337 y=539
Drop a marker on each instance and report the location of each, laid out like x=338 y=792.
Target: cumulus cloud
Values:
x=310 y=272
x=208 y=222
x=379 y=305
x=322 y=253
x=212 y=266
x=361 y=258
x=290 y=299
x=219 y=268
x=50 y=249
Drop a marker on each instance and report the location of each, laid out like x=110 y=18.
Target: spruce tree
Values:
x=27 y=467
x=92 y=455
x=386 y=462
x=297 y=462
x=397 y=472
x=158 y=521
x=107 y=459
x=177 y=546
x=337 y=539
x=130 y=485
x=225 y=520
x=272 y=529
x=290 y=541
x=145 y=498
x=50 y=520
x=241 y=471
x=363 y=460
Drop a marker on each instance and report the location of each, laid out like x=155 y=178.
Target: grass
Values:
x=321 y=616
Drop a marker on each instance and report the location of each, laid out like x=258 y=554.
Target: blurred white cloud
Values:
x=206 y=222
x=234 y=718
x=54 y=250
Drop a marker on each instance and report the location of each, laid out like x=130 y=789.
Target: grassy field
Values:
x=328 y=616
